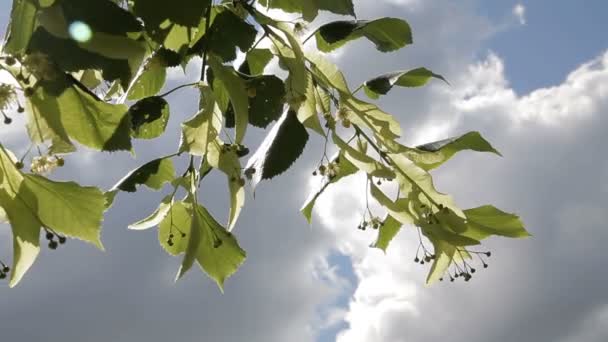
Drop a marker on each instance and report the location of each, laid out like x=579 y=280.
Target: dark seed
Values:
x=53 y=244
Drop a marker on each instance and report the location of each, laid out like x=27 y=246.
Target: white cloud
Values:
x=547 y=175
x=389 y=303
x=519 y=11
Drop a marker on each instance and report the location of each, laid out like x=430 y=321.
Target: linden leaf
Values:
x=149 y=117
x=382 y=84
x=398 y=210
x=310 y=9
x=280 y=149
x=21 y=27
x=31 y=202
x=266 y=99
x=387 y=232
x=197 y=234
x=444 y=255
x=307 y=113
x=153 y=174
x=362 y=161
x=345 y=169
x=226 y=24
x=237 y=91
x=204 y=127
x=488 y=220
x=256 y=61
x=388 y=34
x=432 y=155
x=68 y=109
x=182 y=12
x=226 y=159
x=408 y=174
x=149 y=80
x=156 y=217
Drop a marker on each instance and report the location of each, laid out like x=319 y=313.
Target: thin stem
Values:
x=178 y=88
x=309 y=37
x=358 y=88
x=259 y=41
x=389 y=161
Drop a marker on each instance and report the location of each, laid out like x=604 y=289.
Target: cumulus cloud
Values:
x=544 y=179
x=544 y=289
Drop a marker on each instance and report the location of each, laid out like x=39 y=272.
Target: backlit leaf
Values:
x=382 y=84
x=70 y=110
x=149 y=117
x=153 y=174
x=388 y=34
x=215 y=249
x=282 y=146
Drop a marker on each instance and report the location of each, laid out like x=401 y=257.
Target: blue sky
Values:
x=538 y=91
x=558 y=36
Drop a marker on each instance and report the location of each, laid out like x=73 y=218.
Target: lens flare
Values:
x=80 y=31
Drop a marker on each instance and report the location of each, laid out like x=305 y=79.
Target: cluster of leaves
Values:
x=90 y=81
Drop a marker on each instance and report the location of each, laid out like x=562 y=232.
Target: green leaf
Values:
x=307 y=113
x=327 y=72
x=69 y=109
x=153 y=174
x=432 y=155
x=204 y=127
x=310 y=9
x=149 y=117
x=410 y=174
x=156 y=217
x=256 y=61
x=280 y=149
x=398 y=210
x=362 y=161
x=155 y=13
x=369 y=115
x=3 y=217
x=226 y=158
x=237 y=91
x=382 y=84
x=39 y=130
x=291 y=57
x=21 y=27
x=266 y=99
x=444 y=254
x=176 y=221
x=149 y=81
x=387 y=232
x=488 y=220
x=95 y=14
x=67 y=207
x=439 y=232
x=89 y=78
x=118 y=54
x=31 y=202
x=206 y=242
x=345 y=169
x=226 y=24
x=388 y=34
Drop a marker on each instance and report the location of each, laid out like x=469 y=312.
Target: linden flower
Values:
x=44 y=164
x=7 y=96
x=300 y=28
x=40 y=65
